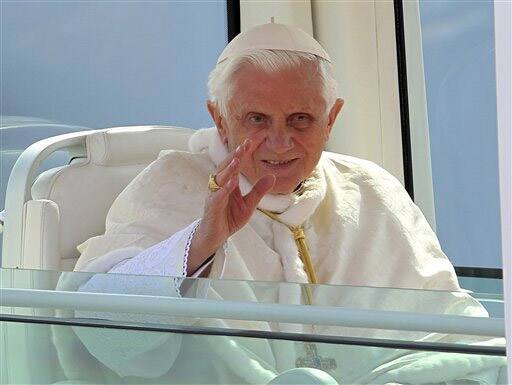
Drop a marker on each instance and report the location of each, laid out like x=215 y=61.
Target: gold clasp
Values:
x=298 y=233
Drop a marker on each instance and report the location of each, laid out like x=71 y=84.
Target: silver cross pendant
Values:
x=313 y=360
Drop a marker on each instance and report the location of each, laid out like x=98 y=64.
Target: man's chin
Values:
x=283 y=189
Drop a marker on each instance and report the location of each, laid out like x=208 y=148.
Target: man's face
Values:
x=288 y=111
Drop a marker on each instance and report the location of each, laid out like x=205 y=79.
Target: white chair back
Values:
x=45 y=220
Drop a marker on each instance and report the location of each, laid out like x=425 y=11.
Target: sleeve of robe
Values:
x=148 y=231
x=129 y=353
x=165 y=198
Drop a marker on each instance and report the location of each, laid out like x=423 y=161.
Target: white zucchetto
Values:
x=273 y=36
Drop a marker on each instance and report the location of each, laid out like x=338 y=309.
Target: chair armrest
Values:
x=20 y=182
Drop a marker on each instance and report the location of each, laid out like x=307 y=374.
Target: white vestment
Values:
x=361 y=228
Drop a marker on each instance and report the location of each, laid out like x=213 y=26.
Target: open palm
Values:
x=226 y=211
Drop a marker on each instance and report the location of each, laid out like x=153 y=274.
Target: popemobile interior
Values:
x=93 y=92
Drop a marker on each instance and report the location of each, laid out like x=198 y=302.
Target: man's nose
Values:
x=279 y=139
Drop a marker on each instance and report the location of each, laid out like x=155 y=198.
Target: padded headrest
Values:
x=85 y=189
x=135 y=145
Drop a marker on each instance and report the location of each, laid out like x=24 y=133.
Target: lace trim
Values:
x=177 y=285
x=187 y=247
x=225 y=248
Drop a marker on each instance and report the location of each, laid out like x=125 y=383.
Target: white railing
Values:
x=192 y=307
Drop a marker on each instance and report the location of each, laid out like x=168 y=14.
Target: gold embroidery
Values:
x=312 y=358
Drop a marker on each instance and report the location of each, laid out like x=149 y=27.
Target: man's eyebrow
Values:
x=240 y=115
x=256 y=112
x=304 y=112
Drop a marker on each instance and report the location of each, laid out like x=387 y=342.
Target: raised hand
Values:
x=226 y=211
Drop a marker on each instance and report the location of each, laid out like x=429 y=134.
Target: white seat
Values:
x=48 y=215
x=45 y=220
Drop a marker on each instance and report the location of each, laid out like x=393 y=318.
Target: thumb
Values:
x=261 y=187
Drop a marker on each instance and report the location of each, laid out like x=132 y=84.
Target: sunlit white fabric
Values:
x=362 y=229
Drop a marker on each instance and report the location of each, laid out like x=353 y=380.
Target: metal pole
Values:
x=202 y=308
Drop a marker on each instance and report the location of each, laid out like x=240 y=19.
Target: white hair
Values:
x=270 y=61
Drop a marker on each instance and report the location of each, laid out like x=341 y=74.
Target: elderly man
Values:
x=269 y=180
x=257 y=198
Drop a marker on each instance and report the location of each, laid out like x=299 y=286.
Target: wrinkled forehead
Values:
x=288 y=89
x=301 y=70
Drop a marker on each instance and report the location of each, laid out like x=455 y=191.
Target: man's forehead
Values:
x=241 y=109
x=301 y=76
x=305 y=69
x=289 y=90
x=270 y=104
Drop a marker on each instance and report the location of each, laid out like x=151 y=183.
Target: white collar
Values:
x=294 y=209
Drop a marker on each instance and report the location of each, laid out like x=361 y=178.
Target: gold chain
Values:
x=300 y=240
x=312 y=358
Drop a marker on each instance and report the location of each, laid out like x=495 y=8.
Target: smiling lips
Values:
x=279 y=164
x=277 y=161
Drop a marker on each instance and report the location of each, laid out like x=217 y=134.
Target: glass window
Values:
x=133 y=329
x=71 y=66
x=459 y=65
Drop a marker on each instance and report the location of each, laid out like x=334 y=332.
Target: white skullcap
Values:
x=273 y=36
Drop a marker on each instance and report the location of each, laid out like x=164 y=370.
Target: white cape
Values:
x=361 y=227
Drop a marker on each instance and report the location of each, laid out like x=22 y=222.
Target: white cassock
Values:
x=362 y=229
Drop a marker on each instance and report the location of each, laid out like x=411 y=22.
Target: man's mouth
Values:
x=278 y=165
x=278 y=162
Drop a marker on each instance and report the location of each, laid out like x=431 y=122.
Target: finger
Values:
x=258 y=137
x=230 y=164
x=246 y=147
x=238 y=152
x=262 y=186
x=227 y=160
x=251 y=144
x=222 y=177
x=220 y=198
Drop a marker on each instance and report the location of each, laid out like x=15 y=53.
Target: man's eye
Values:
x=256 y=119
x=300 y=120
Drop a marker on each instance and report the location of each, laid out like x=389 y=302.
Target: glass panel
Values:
x=370 y=312
x=48 y=354
x=482 y=285
x=73 y=66
x=102 y=64
x=459 y=72
x=48 y=279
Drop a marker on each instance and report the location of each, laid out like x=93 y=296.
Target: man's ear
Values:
x=213 y=109
x=333 y=113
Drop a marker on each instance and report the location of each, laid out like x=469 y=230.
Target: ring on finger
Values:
x=212 y=184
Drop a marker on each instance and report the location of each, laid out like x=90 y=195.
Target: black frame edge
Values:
x=403 y=96
x=479 y=272
x=296 y=337
x=233 y=14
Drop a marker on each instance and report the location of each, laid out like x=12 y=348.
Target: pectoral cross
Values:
x=313 y=360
